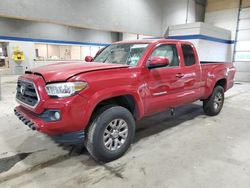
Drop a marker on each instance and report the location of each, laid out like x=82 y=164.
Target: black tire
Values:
x=213 y=105
x=95 y=139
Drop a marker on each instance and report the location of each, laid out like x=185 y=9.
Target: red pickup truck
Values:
x=98 y=102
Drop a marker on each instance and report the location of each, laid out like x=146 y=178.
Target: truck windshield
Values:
x=127 y=54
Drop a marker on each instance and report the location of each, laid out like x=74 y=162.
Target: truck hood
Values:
x=63 y=71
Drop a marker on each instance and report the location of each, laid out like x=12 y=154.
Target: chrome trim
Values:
x=38 y=97
x=160 y=93
x=227 y=71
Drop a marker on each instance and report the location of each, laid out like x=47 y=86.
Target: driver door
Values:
x=164 y=84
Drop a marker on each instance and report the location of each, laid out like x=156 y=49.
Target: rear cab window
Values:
x=188 y=54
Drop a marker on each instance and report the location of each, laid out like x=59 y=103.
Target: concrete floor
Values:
x=187 y=150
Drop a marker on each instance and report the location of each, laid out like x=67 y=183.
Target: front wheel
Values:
x=110 y=134
x=213 y=105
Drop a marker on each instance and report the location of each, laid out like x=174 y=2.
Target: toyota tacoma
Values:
x=97 y=102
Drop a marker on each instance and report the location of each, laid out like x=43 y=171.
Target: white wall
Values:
x=28 y=49
x=41 y=30
x=135 y=16
x=54 y=20
x=146 y=17
x=208 y=50
x=176 y=12
x=45 y=31
x=223 y=14
x=129 y=36
x=223 y=18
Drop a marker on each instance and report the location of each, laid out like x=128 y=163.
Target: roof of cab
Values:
x=146 y=41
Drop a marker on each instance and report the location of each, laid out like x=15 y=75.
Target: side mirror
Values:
x=88 y=58
x=158 y=61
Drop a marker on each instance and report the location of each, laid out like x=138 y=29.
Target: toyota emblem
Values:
x=22 y=89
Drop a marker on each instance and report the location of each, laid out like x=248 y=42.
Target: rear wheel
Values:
x=110 y=134
x=213 y=105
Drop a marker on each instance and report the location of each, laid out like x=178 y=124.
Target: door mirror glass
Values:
x=158 y=61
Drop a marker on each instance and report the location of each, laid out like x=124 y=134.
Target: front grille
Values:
x=26 y=93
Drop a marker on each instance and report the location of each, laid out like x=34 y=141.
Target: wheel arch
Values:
x=130 y=101
x=126 y=101
x=221 y=82
x=210 y=87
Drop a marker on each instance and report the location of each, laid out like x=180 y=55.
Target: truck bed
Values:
x=212 y=70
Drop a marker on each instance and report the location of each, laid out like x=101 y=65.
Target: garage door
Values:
x=243 y=38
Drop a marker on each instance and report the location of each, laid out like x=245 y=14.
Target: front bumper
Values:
x=25 y=120
x=72 y=138
x=74 y=113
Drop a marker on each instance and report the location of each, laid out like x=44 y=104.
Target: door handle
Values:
x=179 y=75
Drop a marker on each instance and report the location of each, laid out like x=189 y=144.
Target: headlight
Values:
x=65 y=89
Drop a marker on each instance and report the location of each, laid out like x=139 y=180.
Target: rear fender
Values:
x=211 y=84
